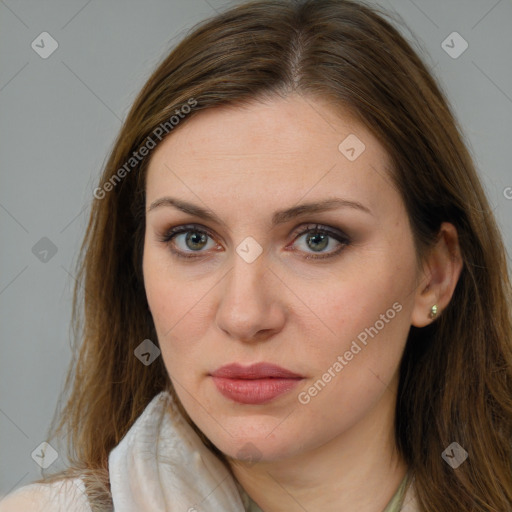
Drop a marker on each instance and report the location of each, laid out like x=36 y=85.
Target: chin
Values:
x=263 y=446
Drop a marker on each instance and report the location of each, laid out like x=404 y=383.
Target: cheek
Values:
x=373 y=297
x=356 y=341
x=354 y=369
x=178 y=309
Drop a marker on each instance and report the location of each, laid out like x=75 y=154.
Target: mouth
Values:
x=255 y=384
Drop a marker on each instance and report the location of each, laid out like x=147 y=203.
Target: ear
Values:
x=440 y=274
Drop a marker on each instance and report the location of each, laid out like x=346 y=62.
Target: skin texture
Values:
x=337 y=451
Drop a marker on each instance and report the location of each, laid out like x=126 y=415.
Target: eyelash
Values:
x=316 y=229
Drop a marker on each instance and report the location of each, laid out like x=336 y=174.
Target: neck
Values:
x=359 y=469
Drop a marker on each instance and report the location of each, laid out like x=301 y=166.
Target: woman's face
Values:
x=252 y=282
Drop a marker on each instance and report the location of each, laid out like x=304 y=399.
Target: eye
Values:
x=318 y=238
x=186 y=240
x=189 y=239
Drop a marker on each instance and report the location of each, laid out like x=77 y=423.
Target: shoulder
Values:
x=67 y=495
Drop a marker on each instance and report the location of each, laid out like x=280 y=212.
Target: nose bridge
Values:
x=248 y=275
x=246 y=306
x=249 y=264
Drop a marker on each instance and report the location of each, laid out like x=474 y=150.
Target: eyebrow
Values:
x=279 y=217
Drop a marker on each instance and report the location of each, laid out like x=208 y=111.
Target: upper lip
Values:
x=254 y=371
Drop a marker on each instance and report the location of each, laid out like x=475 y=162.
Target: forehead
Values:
x=278 y=151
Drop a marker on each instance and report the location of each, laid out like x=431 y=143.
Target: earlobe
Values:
x=426 y=308
x=442 y=270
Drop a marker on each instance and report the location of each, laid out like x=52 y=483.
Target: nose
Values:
x=251 y=307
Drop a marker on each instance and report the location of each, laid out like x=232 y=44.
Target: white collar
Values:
x=161 y=465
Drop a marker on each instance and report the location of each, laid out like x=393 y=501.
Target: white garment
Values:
x=161 y=465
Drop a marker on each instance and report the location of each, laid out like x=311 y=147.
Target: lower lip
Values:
x=254 y=391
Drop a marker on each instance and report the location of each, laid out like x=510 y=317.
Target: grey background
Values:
x=59 y=117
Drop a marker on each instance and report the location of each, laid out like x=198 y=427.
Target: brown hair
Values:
x=455 y=375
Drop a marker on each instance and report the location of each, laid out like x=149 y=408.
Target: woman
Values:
x=295 y=293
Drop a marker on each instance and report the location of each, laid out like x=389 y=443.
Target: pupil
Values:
x=196 y=239
x=323 y=238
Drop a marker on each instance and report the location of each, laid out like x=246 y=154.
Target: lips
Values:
x=255 y=371
x=256 y=384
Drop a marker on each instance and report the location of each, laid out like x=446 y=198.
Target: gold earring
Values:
x=433 y=311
